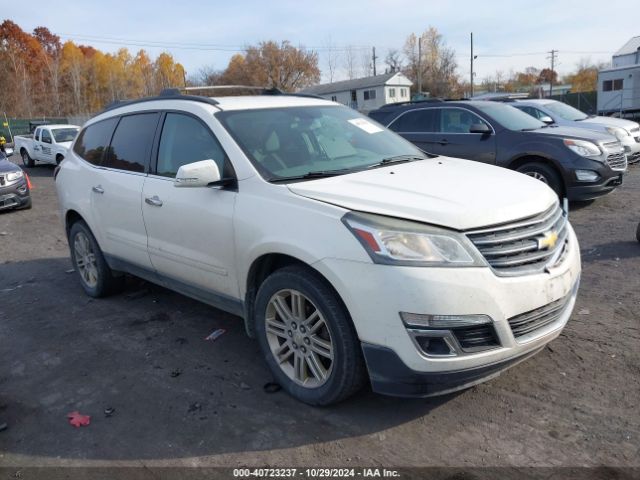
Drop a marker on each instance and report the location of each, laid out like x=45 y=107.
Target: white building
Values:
x=619 y=86
x=366 y=94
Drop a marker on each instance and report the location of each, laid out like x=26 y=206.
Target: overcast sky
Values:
x=507 y=34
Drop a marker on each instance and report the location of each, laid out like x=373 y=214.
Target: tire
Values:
x=26 y=159
x=545 y=174
x=299 y=343
x=96 y=278
x=59 y=159
x=638 y=233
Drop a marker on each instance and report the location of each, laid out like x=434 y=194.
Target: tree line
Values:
x=45 y=77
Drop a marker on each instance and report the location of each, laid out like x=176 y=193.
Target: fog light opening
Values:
x=587 y=175
x=434 y=345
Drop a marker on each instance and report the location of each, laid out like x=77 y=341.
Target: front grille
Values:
x=617 y=161
x=533 y=320
x=524 y=246
x=633 y=158
x=476 y=338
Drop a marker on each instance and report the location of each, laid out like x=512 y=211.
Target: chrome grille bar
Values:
x=519 y=247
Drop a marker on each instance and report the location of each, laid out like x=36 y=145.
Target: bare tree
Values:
x=331 y=58
x=366 y=65
x=393 y=61
x=350 y=62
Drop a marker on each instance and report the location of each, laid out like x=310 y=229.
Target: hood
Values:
x=576 y=133
x=7 y=166
x=65 y=144
x=610 y=122
x=450 y=192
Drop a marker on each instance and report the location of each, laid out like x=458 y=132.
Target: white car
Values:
x=559 y=113
x=48 y=144
x=348 y=252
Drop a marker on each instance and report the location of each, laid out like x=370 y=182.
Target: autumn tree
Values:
x=435 y=63
x=276 y=65
x=585 y=78
x=547 y=76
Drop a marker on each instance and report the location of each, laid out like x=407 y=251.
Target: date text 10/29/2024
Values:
x=315 y=473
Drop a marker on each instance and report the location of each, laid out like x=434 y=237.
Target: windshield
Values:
x=566 y=111
x=509 y=117
x=64 y=134
x=291 y=142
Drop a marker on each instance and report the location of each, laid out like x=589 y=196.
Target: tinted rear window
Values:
x=131 y=144
x=93 y=140
x=415 y=121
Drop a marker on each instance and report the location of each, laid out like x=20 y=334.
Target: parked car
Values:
x=48 y=144
x=575 y=163
x=344 y=248
x=15 y=186
x=559 y=113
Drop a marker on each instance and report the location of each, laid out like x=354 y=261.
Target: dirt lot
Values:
x=182 y=401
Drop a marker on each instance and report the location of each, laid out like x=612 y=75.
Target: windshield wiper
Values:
x=313 y=174
x=396 y=159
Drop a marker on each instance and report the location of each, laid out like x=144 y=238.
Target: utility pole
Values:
x=471 y=83
x=373 y=57
x=420 y=65
x=553 y=53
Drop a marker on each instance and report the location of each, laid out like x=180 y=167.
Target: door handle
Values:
x=153 y=201
x=98 y=189
x=444 y=141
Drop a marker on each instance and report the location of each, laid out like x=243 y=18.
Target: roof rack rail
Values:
x=175 y=93
x=410 y=102
x=166 y=94
x=263 y=90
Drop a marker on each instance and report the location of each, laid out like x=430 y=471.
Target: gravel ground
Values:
x=182 y=401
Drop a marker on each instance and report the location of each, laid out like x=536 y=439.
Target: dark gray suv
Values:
x=575 y=163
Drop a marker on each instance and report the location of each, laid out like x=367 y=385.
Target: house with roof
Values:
x=366 y=94
x=619 y=86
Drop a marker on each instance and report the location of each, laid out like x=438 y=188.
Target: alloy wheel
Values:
x=538 y=176
x=299 y=338
x=85 y=260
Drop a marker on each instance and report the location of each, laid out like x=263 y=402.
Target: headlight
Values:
x=583 y=148
x=392 y=241
x=619 y=133
x=13 y=176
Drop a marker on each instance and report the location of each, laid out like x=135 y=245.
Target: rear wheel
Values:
x=638 y=233
x=96 y=277
x=26 y=159
x=545 y=174
x=59 y=159
x=307 y=337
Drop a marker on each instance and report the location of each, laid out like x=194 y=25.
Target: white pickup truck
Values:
x=47 y=144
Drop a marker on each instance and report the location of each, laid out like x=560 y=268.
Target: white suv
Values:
x=348 y=252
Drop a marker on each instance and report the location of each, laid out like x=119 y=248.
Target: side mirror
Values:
x=197 y=174
x=482 y=128
x=8 y=151
x=546 y=119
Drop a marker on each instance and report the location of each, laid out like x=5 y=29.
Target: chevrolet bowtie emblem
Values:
x=548 y=240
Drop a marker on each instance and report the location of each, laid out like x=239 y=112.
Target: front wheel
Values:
x=96 y=277
x=27 y=161
x=545 y=174
x=638 y=233
x=307 y=337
